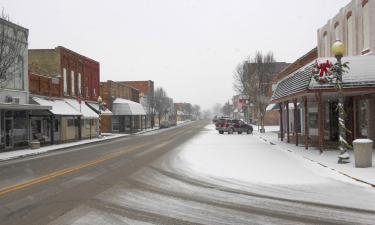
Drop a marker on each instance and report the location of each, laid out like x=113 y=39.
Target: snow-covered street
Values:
x=193 y=175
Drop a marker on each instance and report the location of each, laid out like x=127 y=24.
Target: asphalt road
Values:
x=125 y=181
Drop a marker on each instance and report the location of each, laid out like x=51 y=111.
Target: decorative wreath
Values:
x=323 y=72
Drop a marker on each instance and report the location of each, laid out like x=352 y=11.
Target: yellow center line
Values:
x=73 y=169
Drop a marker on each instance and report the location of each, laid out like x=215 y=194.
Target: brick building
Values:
x=69 y=82
x=128 y=114
x=78 y=73
x=146 y=96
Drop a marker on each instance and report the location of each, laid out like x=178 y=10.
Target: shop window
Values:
x=351 y=33
x=366 y=26
x=313 y=120
x=20 y=136
x=115 y=123
x=70 y=122
x=65 y=82
x=72 y=83
x=337 y=32
x=57 y=124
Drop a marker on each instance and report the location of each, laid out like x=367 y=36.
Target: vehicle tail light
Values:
x=227 y=125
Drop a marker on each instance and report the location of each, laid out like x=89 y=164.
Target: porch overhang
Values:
x=13 y=106
x=360 y=79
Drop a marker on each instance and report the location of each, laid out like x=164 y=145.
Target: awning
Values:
x=86 y=111
x=59 y=106
x=126 y=107
x=14 y=106
x=95 y=106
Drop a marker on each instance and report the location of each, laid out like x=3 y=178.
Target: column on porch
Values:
x=281 y=122
x=287 y=122
x=295 y=120
x=320 y=121
x=306 y=126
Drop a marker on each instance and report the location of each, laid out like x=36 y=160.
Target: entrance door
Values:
x=8 y=132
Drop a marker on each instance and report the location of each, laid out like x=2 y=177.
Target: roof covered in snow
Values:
x=126 y=107
x=59 y=106
x=86 y=111
x=360 y=74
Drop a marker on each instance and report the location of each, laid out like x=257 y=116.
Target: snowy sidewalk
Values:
x=29 y=152
x=327 y=159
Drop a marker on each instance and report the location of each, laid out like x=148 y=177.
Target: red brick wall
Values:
x=272 y=118
x=143 y=86
x=89 y=70
x=91 y=80
x=44 y=85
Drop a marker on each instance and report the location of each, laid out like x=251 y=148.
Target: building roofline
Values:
x=65 y=49
x=15 y=25
x=299 y=63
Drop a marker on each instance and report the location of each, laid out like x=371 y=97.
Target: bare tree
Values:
x=161 y=102
x=12 y=43
x=217 y=109
x=227 y=109
x=196 y=111
x=253 y=78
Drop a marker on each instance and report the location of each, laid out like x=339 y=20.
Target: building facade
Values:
x=313 y=105
x=129 y=115
x=15 y=109
x=146 y=97
x=69 y=82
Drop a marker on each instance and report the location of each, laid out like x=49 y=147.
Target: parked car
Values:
x=233 y=125
x=240 y=127
x=223 y=124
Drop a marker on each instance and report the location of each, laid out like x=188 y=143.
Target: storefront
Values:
x=309 y=109
x=15 y=127
x=128 y=116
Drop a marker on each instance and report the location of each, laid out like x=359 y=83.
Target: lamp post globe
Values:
x=338 y=49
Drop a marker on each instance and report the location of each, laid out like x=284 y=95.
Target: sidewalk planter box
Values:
x=34 y=144
x=362 y=153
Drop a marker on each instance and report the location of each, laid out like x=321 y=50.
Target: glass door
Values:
x=8 y=132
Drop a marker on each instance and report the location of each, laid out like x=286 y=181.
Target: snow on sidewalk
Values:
x=29 y=152
x=327 y=159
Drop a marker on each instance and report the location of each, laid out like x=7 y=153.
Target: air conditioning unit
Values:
x=8 y=99
x=16 y=100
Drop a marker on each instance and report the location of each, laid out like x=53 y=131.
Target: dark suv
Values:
x=239 y=126
x=232 y=125
x=223 y=124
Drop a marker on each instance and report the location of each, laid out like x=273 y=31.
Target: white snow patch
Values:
x=243 y=157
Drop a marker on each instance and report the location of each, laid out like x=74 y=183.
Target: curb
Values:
x=103 y=140
x=323 y=165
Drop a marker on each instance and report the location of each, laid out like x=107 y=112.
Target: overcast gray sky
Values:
x=189 y=47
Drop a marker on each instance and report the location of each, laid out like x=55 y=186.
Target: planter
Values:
x=34 y=144
x=362 y=153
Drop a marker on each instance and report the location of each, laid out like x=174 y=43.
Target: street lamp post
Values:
x=338 y=50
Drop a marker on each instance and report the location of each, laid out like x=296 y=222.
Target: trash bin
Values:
x=362 y=153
